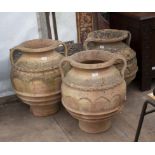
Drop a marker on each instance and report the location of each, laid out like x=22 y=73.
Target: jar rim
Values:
x=38 y=45
x=97 y=59
x=107 y=35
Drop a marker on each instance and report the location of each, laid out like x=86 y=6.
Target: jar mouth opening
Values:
x=39 y=45
x=108 y=35
x=92 y=59
x=92 y=62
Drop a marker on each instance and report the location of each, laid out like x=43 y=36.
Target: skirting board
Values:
x=8 y=100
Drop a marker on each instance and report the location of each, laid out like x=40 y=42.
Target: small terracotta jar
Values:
x=93 y=89
x=115 y=41
x=35 y=74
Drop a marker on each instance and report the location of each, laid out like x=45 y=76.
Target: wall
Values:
x=14 y=29
x=18 y=27
x=66 y=26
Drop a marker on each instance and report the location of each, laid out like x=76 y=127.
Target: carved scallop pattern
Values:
x=101 y=104
x=71 y=102
x=85 y=105
x=116 y=101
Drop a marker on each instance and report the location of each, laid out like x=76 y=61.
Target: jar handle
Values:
x=66 y=50
x=12 y=52
x=62 y=71
x=86 y=43
x=119 y=57
x=128 y=39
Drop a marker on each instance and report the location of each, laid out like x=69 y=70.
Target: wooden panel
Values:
x=139 y=15
x=88 y=22
x=141 y=26
x=85 y=24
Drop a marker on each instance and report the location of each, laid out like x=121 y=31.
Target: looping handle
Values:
x=87 y=41
x=86 y=44
x=128 y=39
x=12 y=52
x=62 y=71
x=66 y=50
x=119 y=57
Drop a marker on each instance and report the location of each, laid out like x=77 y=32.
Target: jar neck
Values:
x=38 y=54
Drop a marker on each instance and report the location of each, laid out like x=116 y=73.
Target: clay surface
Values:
x=115 y=41
x=93 y=89
x=35 y=75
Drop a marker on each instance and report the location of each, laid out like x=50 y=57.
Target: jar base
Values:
x=46 y=110
x=95 y=127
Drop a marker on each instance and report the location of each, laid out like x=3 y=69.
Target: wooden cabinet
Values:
x=88 y=22
x=142 y=27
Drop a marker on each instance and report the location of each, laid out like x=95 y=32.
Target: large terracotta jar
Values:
x=35 y=74
x=115 y=41
x=93 y=89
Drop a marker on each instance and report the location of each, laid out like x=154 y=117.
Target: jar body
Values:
x=115 y=46
x=93 y=96
x=36 y=80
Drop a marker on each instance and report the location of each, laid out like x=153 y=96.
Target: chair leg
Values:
x=141 y=121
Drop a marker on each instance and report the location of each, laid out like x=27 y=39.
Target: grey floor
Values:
x=18 y=124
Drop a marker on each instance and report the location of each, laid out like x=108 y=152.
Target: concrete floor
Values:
x=18 y=124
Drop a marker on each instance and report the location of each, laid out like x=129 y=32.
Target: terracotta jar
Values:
x=115 y=41
x=35 y=74
x=93 y=90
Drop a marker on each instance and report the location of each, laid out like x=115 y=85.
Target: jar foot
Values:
x=95 y=127
x=44 y=110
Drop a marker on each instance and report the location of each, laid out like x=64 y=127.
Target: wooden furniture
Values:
x=142 y=27
x=88 y=22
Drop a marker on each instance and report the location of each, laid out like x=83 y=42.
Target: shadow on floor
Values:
x=18 y=124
